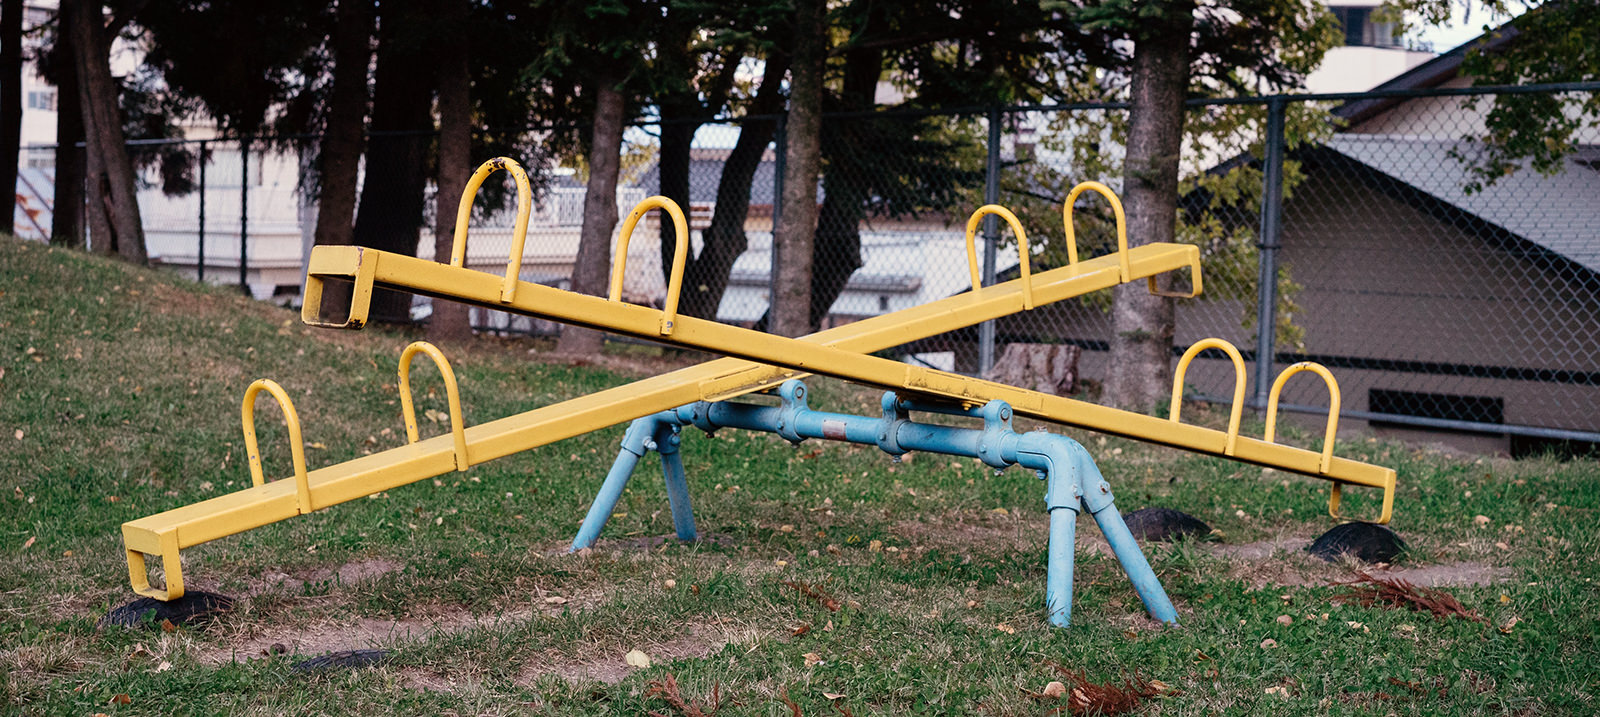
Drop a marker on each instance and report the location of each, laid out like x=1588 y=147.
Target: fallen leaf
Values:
x=1506 y=628
x=164 y=666
x=1285 y=620
x=1504 y=598
x=1007 y=629
x=168 y=626
x=669 y=583
x=1269 y=644
x=1277 y=690
x=800 y=629
x=555 y=600
x=317 y=445
x=29 y=542
x=812 y=659
x=1481 y=519
x=875 y=546
x=833 y=695
x=121 y=699
x=786 y=528
x=637 y=658
x=1054 y=690
x=1000 y=511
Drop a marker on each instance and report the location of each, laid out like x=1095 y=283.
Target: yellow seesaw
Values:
x=839 y=352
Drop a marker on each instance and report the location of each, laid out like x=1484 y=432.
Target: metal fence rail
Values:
x=1356 y=227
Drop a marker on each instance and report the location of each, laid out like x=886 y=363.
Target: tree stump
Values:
x=1047 y=368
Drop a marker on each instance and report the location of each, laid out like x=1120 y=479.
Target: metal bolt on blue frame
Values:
x=1073 y=484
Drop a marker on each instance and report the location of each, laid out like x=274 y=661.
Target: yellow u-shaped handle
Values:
x=296 y=444
x=1333 y=406
x=669 y=313
x=519 y=231
x=407 y=409
x=1022 y=249
x=1122 y=224
x=1238 y=386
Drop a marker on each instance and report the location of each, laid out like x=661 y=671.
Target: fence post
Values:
x=200 y=258
x=244 y=213
x=991 y=236
x=780 y=141
x=1271 y=216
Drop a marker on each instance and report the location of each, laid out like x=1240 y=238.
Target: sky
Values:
x=1458 y=30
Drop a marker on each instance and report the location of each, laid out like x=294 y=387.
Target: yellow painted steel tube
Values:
x=297 y=448
x=453 y=396
x=1237 y=411
x=1022 y=249
x=669 y=312
x=1116 y=208
x=837 y=359
x=1333 y=405
x=519 y=231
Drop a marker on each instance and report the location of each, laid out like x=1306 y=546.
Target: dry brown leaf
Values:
x=833 y=695
x=812 y=659
x=637 y=658
x=29 y=542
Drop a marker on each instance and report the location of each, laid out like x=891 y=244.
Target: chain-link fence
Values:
x=1447 y=286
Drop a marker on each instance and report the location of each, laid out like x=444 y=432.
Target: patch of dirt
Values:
x=351 y=573
x=699 y=641
x=1282 y=561
x=331 y=636
x=255 y=640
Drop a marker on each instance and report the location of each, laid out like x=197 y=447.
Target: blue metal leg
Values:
x=1058 y=576
x=667 y=440
x=1134 y=564
x=634 y=446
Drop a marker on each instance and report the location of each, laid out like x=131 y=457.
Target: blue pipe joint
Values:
x=1096 y=491
x=699 y=416
x=793 y=395
x=998 y=439
x=639 y=439
x=894 y=416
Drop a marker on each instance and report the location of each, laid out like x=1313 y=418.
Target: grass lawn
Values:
x=119 y=398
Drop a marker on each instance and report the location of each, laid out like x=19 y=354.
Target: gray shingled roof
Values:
x=1560 y=212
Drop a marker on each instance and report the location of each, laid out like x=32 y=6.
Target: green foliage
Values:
x=1552 y=42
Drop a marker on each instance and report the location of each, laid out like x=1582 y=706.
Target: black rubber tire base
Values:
x=1367 y=542
x=1164 y=525
x=343 y=659
x=195 y=606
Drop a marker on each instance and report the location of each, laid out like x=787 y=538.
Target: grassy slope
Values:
x=124 y=385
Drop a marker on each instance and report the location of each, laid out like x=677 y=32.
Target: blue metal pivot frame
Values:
x=1073 y=484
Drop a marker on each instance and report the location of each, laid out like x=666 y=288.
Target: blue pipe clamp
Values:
x=1073 y=483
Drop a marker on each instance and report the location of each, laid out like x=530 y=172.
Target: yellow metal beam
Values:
x=816 y=355
x=165 y=534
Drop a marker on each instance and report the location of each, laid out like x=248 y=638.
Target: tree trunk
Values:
x=1046 y=368
x=795 y=233
x=66 y=223
x=681 y=115
x=706 y=276
x=450 y=318
x=392 y=193
x=837 y=254
x=113 y=194
x=1142 y=333
x=10 y=94
x=339 y=159
x=592 y=267
x=679 y=121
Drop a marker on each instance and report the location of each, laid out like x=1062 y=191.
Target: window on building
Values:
x=42 y=100
x=1360 y=29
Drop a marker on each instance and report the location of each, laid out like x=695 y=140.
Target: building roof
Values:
x=1430 y=74
x=1559 y=212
